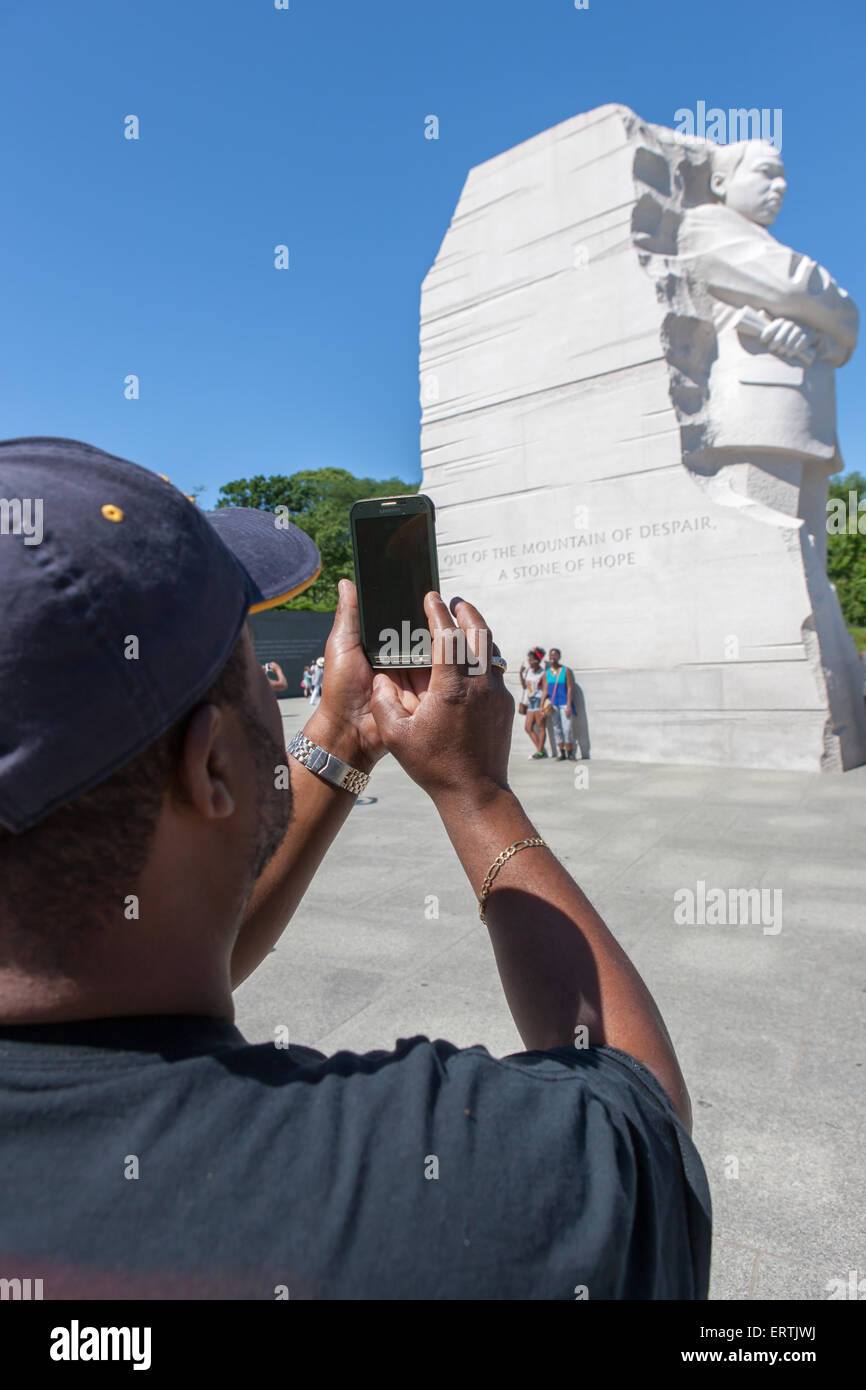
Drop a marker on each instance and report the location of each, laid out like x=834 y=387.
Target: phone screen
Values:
x=394 y=572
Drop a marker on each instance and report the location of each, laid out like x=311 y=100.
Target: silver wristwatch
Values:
x=326 y=765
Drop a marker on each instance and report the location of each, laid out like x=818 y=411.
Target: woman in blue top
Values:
x=560 y=690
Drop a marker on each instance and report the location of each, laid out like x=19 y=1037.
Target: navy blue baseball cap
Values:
x=120 y=602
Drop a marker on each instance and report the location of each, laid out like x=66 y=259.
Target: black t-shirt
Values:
x=166 y=1157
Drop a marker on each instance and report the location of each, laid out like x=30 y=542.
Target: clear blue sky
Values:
x=306 y=127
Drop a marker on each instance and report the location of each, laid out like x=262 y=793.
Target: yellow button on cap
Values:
x=112 y=513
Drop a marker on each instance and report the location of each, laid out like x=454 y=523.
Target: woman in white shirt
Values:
x=532 y=676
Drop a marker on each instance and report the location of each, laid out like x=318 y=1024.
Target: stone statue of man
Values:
x=768 y=444
x=782 y=325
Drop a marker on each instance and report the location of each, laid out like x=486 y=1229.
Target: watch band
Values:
x=326 y=765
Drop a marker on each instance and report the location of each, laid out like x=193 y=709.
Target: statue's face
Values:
x=758 y=185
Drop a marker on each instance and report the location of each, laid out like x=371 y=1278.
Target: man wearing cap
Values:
x=156 y=840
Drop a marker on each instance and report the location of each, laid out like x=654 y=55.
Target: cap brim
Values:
x=279 y=559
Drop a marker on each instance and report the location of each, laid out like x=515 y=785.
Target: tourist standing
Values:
x=559 y=686
x=318 y=675
x=532 y=680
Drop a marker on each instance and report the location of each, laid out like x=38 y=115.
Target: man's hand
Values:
x=453 y=736
x=343 y=715
x=347 y=685
x=276 y=676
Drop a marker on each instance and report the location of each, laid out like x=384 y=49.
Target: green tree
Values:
x=846 y=557
x=318 y=501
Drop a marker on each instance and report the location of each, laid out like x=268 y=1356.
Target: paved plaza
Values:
x=768 y=1024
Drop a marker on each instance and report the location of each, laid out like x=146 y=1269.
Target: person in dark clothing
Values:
x=156 y=839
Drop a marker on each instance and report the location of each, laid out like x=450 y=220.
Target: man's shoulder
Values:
x=606 y=1074
x=603 y=1076
x=162 y=1049
x=565 y=1100
x=573 y=1154
x=564 y=1076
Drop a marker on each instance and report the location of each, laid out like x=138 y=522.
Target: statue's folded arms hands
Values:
x=742 y=264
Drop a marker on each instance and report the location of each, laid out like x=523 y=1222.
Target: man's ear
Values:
x=202 y=770
x=718 y=183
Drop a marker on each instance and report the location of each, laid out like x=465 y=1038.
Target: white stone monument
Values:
x=628 y=427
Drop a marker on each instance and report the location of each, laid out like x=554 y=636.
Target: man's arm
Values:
x=343 y=725
x=280 y=683
x=560 y=967
x=319 y=810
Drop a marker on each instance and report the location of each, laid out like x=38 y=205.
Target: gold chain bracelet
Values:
x=497 y=865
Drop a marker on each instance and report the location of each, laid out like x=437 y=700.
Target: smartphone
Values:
x=394 y=545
